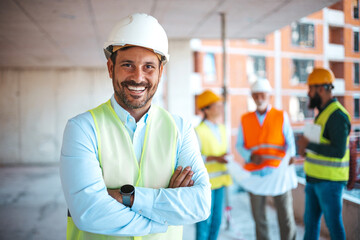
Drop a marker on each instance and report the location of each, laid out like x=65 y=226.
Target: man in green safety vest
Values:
x=327 y=158
x=129 y=169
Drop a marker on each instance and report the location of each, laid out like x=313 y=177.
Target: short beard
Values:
x=315 y=102
x=128 y=103
x=125 y=100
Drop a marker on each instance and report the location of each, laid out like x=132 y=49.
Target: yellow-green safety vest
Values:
x=210 y=146
x=120 y=166
x=323 y=167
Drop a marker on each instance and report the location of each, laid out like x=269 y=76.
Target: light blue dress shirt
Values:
x=289 y=141
x=93 y=210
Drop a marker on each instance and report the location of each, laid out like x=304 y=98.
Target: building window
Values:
x=257 y=41
x=255 y=68
x=356 y=74
x=356 y=107
x=299 y=110
x=301 y=70
x=209 y=67
x=302 y=34
x=357 y=139
x=356 y=9
x=356 y=41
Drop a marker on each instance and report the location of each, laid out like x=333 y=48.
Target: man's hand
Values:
x=256 y=158
x=302 y=144
x=182 y=178
x=292 y=160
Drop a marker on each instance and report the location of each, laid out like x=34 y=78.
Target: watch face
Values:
x=127 y=189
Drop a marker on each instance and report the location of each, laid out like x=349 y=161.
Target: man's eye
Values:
x=149 y=66
x=126 y=65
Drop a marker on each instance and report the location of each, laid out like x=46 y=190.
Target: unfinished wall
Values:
x=35 y=105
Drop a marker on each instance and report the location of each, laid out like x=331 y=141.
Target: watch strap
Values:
x=126 y=199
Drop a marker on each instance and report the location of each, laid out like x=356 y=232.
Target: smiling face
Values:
x=136 y=75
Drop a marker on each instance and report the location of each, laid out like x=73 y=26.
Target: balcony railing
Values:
x=334 y=17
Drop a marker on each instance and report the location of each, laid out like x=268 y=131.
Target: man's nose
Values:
x=138 y=75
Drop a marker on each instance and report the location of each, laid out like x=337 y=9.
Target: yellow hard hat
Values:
x=320 y=76
x=206 y=98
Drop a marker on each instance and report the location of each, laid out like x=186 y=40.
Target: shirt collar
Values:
x=125 y=116
x=210 y=124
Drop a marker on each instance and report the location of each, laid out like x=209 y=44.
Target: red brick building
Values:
x=328 y=38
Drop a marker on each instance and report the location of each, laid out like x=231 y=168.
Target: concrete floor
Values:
x=32 y=207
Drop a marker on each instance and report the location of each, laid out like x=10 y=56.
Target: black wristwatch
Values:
x=126 y=191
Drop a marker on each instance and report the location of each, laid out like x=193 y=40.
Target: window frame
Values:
x=356 y=73
x=209 y=63
x=355 y=9
x=356 y=109
x=356 y=41
x=302 y=78
x=298 y=27
x=303 y=112
x=251 y=76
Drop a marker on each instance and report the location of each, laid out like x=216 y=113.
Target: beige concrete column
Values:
x=180 y=99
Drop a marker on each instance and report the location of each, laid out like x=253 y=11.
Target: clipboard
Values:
x=312 y=132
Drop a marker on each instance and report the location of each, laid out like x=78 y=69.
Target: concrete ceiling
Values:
x=64 y=33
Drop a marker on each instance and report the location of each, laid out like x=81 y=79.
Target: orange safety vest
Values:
x=267 y=140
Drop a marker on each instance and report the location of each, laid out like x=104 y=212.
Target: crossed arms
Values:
x=185 y=201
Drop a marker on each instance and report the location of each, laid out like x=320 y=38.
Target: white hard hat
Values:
x=261 y=85
x=140 y=30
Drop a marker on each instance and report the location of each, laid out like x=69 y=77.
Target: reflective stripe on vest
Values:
x=323 y=167
x=267 y=146
x=210 y=146
x=267 y=140
x=116 y=154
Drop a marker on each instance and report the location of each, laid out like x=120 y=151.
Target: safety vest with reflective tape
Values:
x=210 y=146
x=120 y=166
x=267 y=140
x=323 y=167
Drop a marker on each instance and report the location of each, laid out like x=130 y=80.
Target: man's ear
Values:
x=161 y=68
x=110 y=67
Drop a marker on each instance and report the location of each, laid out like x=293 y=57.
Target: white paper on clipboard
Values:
x=312 y=132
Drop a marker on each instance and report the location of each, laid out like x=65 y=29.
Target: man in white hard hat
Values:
x=129 y=168
x=266 y=142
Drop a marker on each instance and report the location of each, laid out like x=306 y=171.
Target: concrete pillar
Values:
x=180 y=99
x=325 y=40
x=278 y=71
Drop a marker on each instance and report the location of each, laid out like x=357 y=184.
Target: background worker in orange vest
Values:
x=327 y=158
x=266 y=142
x=214 y=148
